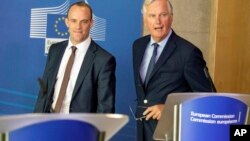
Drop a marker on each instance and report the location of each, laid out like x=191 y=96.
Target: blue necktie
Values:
x=151 y=64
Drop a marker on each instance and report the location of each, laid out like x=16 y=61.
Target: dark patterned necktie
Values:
x=151 y=64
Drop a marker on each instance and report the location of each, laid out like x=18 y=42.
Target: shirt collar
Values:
x=84 y=45
x=163 y=42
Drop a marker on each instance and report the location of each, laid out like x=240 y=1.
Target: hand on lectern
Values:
x=154 y=112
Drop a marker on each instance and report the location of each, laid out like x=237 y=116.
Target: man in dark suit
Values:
x=91 y=84
x=163 y=63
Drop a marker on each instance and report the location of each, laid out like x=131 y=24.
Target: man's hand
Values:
x=154 y=112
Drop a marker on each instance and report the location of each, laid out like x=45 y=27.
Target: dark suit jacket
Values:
x=94 y=91
x=180 y=68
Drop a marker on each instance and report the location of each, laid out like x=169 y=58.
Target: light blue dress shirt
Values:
x=149 y=52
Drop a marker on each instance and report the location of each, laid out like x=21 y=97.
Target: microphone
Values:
x=50 y=100
x=209 y=79
x=43 y=88
x=49 y=97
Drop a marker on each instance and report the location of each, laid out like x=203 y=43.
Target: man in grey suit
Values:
x=163 y=63
x=91 y=84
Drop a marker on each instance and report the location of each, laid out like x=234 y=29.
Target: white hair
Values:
x=148 y=2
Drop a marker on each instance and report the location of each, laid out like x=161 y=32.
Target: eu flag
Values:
x=56 y=27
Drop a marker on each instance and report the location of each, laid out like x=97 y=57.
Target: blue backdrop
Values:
x=28 y=27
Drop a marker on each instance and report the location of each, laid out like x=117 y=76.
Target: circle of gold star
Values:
x=58 y=32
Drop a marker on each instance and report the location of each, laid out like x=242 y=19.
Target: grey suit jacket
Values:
x=94 y=91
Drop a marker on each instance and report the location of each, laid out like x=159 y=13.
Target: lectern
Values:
x=201 y=116
x=63 y=127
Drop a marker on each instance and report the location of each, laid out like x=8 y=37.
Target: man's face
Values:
x=158 y=19
x=79 y=23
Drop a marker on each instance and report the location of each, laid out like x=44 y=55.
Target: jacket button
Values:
x=145 y=101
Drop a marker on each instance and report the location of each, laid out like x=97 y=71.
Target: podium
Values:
x=201 y=116
x=63 y=127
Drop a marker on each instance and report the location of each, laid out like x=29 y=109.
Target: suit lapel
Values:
x=59 y=52
x=140 y=53
x=86 y=65
x=167 y=51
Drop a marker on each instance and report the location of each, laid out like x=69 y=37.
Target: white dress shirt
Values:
x=79 y=57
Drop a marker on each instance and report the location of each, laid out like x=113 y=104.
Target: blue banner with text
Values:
x=209 y=118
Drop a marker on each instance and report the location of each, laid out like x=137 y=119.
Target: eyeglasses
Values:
x=133 y=114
